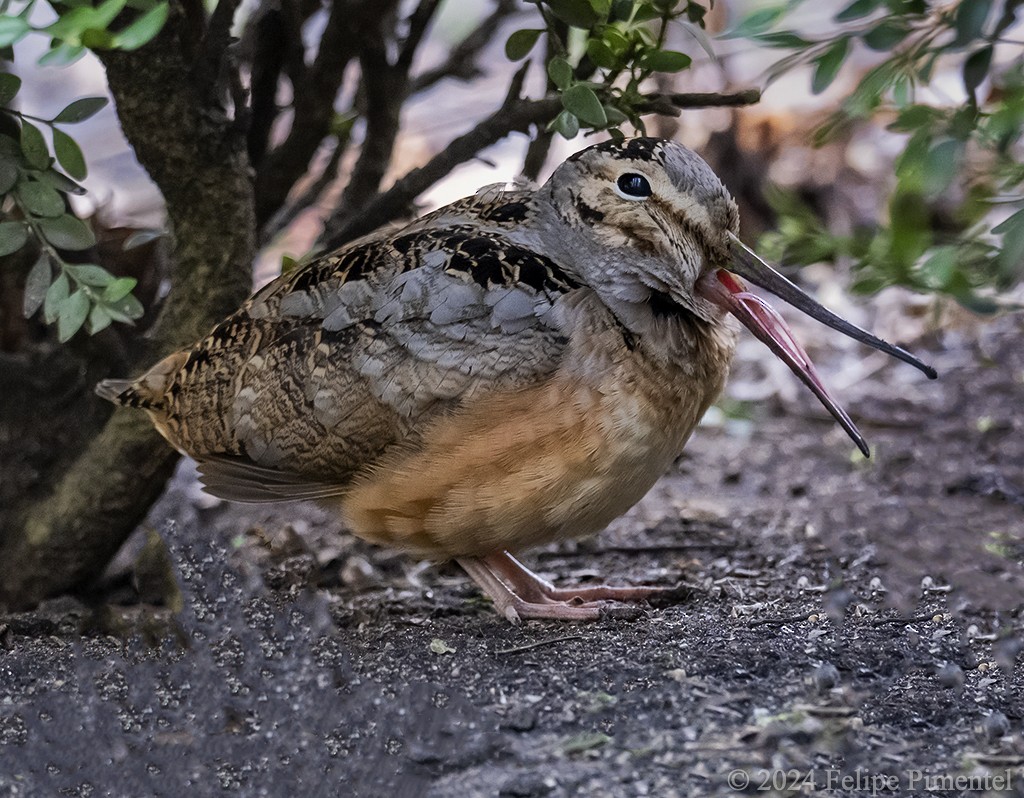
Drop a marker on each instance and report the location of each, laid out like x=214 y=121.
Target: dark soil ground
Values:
x=853 y=629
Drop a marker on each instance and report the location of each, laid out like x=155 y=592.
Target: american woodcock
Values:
x=516 y=368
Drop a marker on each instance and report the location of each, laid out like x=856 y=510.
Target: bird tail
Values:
x=149 y=391
x=120 y=392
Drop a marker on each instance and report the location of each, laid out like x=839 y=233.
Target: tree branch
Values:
x=214 y=47
x=385 y=88
x=197 y=158
x=270 y=43
x=313 y=105
x=418 y=24
x=514 y=116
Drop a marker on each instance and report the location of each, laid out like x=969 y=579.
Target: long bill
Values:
x=722 y=288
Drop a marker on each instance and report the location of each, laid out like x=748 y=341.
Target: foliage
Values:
x=80 y=26
x=599 y=53
x=960 y=162
x=33 y=193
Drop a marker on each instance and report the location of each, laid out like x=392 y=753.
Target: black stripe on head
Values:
x=643 y=148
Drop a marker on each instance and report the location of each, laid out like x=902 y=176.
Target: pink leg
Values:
x=523 y=580
x=517 y=592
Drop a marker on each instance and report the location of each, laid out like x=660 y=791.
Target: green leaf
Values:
x=67 y=232
x=10 y=148
x=757 y=22
x=143 y=29
x=1011 y=256
x=63 y=54
x=9 y=86
x=99 y=319
x=665 y=61
x=560 y=72
x=61 y=182
x=80 y=110
x=8 y=174
x=55 y=295
x=126 y=309
x=783 y=38
x=856 y=10
x=520 y=43
x=940 y=166
x=69 y=154
x=886 y=34
x=970 y=21
x=828 y=65
x=13 y=236
x=72 y=25
x=40 y=199
x=12 y=29
x=939 y=268
x=582 y=102
x=976 y=68
x=97 y=39
x=698 y=33
x=584 y=741
x=36 y=284
x=72 y=314
x=614 y=38
x=578 y=13
x=913 y=117
x=119 y=289
x=615 y=116
x=90 y=274
x=566 y=124
x=33 y=145
x=601 y=54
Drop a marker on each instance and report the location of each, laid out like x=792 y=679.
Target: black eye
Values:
x=634 y=185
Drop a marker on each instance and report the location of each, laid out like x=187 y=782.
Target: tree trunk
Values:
x=171 y=113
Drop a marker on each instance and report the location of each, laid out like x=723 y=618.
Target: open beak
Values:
x=722 y=288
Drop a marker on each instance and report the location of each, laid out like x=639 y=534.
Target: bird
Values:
x=513 y=369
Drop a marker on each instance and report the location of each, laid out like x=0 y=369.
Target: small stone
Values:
x=950 y=675
x=525 y=785
x=995 y=726
x=825 y=677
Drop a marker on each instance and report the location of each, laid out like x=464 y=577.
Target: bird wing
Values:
x=357 y=351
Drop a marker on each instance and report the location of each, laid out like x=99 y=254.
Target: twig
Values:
x=462 y=60
x=314 y=105
x=418 y=23
x=215 y=45
x=538 y=644
x=670 y=104
x=514 y=117
x=385 y=87
x=662 y=548
x=284 y=217
x=270 y=43
x=915 y=619
x=780 y=621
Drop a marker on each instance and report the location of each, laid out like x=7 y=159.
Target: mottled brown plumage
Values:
x=515 y=368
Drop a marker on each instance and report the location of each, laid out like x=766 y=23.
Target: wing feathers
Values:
x=241 y=480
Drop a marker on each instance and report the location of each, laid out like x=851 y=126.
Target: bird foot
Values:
x=518 y=593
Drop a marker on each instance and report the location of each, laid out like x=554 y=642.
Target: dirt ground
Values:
x=853 y=628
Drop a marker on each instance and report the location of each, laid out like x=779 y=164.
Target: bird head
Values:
x=655 y=233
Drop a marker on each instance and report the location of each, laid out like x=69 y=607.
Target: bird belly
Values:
x=521 y=469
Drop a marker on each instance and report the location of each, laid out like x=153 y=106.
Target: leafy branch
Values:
x=960 y=159
x=601 y=52
x=34 y=200
x=80 y=26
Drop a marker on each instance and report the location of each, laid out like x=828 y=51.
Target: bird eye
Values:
x=633 y=186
